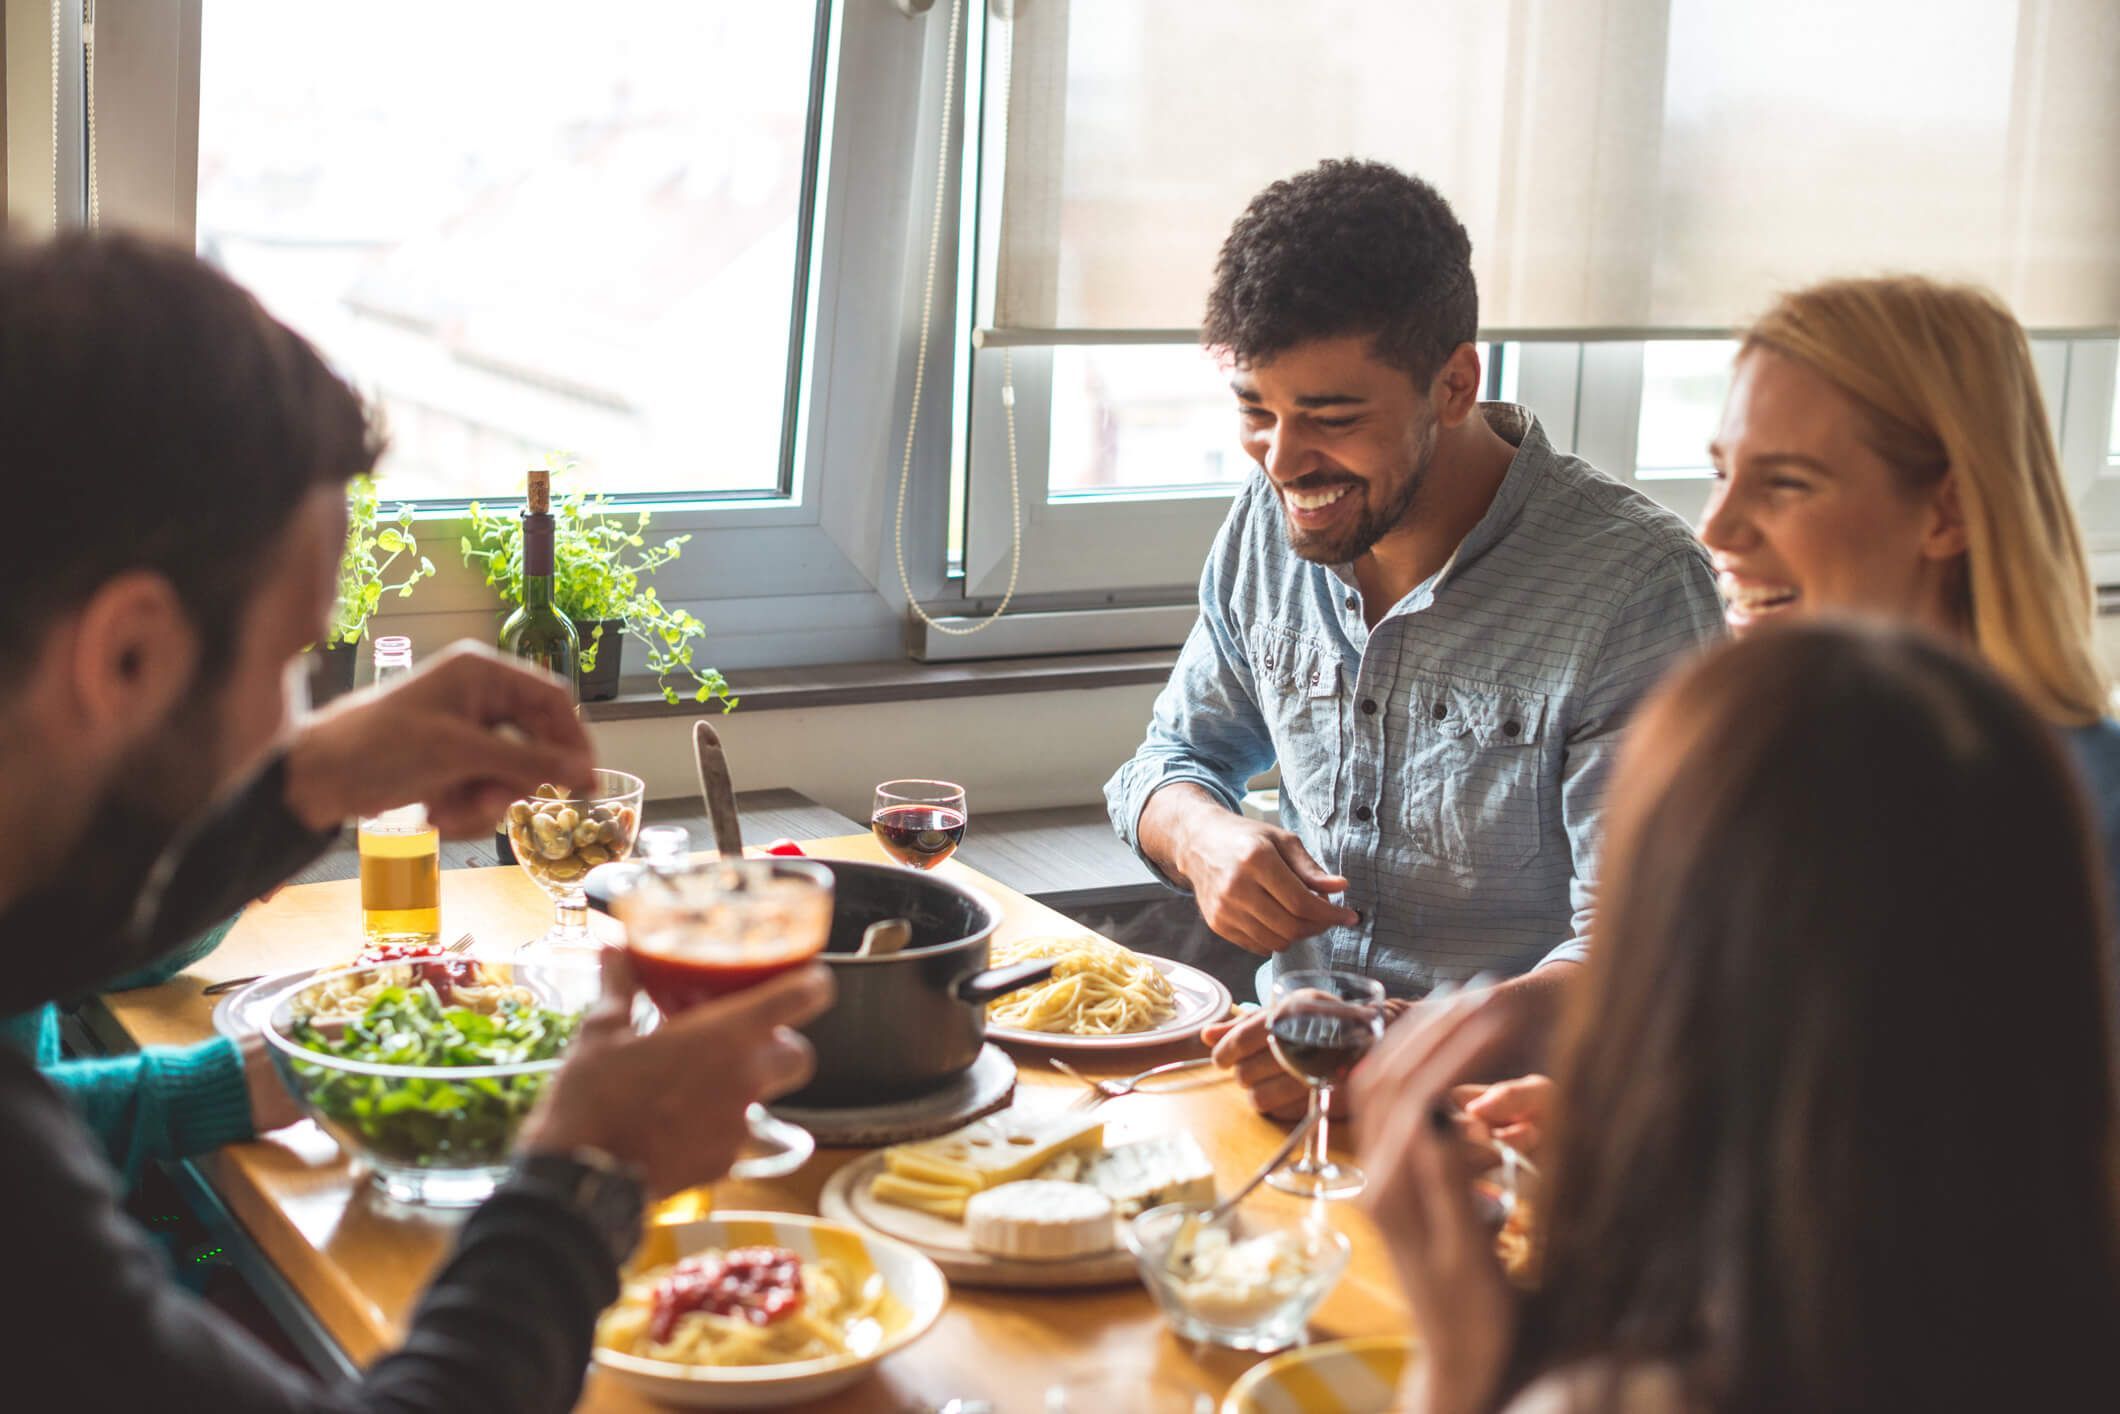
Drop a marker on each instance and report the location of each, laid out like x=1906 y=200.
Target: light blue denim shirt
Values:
x=1451 y=762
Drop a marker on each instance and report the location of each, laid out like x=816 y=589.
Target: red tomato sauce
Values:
x=443 y=973
x=760 y=1284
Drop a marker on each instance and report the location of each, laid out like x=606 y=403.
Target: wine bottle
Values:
x=537 y=630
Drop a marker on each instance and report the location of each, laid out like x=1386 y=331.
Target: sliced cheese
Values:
x=943 y=1200
x=1039 y=1221
x=990 y=1152
x=1148 y=1173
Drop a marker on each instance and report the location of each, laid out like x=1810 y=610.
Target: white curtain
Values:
x=1624 y=166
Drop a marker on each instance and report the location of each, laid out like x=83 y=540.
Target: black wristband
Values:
x=601 y=1188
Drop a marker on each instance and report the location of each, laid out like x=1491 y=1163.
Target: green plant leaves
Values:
x=596 y=576
x=364 y=576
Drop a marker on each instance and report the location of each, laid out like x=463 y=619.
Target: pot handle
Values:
x=996 y=982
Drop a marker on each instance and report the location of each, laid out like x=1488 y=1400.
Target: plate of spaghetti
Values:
x=757 y=1310
x=1102 y=996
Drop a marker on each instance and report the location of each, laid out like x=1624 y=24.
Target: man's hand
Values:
x=1240 y=1044
x=1256 y=884
x=271 y=1105
x=673 y=1101
x=437 y=738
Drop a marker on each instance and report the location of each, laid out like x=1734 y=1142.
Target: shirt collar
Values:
x=1518 y=426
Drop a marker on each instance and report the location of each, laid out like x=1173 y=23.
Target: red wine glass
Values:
x=1320 y=1025
x=919 y=823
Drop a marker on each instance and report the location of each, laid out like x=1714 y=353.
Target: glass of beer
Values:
x=401 y=877
x=694 y=933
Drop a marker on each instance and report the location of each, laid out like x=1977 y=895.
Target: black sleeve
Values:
x=95 y=1323
x=250 y=844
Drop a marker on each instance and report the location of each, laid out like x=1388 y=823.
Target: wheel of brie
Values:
x=1039 y=1220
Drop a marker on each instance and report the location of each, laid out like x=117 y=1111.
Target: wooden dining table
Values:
x=342 y=1266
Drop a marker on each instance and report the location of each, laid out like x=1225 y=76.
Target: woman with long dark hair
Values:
x=1835 y=1126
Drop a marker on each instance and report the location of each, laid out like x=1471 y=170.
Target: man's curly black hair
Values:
x=1348 y=247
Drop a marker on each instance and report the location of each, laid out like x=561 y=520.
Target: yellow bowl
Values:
x=1337 y=1377
x=915 y=1291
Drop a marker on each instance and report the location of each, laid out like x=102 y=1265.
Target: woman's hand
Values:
x=1420 y=1197
x=1517 y=1112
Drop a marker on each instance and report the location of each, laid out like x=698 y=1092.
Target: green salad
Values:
x=429 y=1122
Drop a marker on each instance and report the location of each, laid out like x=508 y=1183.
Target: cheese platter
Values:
x=1016 y=1200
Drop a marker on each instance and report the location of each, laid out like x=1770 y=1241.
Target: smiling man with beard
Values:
x=1431 y=619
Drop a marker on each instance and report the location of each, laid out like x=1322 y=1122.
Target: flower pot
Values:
x=331 y=671
x=601 y=683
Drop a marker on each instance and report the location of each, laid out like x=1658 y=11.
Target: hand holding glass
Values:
x=1320 y=1025
x=694 y=934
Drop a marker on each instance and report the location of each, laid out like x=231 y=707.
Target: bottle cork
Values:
x=540 y=493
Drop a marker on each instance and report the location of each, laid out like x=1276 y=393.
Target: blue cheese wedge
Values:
x=1151 y=1172
x=1039 y=1221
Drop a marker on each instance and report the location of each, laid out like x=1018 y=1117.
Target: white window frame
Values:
x=812 y=577
x=779 y=581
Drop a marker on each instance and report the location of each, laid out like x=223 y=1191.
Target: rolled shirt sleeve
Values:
x=1668 y=616
x=1206 y=728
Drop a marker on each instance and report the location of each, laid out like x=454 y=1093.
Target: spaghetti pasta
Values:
x=1098 y=989
x=347 y=996
x=837 y=1315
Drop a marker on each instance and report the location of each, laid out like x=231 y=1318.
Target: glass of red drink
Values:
x=919 y=823
x=700 y=932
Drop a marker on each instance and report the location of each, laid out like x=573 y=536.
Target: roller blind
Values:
x=1627 y=168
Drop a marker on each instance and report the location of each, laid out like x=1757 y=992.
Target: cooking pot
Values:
x=907 y=1022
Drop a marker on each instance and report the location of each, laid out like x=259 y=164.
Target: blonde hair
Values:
x=1942 y=377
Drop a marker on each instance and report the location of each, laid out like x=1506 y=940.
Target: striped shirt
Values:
x=1450 y=762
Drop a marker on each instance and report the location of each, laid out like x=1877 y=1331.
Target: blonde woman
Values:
x=1885 y=451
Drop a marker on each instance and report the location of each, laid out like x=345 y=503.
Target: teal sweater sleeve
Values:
x=166 y=1102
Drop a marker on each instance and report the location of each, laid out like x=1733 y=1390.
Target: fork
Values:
x=215 y=989
x=1101 y=1090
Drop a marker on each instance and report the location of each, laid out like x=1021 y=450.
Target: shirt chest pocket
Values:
x=1476 y=772
x=1298 y=681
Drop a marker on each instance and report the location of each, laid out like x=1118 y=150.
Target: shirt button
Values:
x=1512 y=728
x=1369 y=706
x=1361 y=812
x=1439 y=712
x=1350 y=601
x=1316 y=677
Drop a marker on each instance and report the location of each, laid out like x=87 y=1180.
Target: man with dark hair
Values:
x=184 y=458
x=1433 y=621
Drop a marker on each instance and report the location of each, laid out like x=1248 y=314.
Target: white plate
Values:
x=1201 y=1000
x=846 y=1199
x=918 y=1287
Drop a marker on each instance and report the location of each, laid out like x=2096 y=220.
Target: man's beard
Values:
x=95 y=918
x=1373 y=524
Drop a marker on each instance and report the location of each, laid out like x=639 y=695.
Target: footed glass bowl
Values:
x=1252 y=1280
x=425 y=1075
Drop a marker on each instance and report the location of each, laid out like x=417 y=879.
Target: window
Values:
x=676 y=240
x=529 y=228
x=1684 y=383
x=1144 y=418
x=2112 y=445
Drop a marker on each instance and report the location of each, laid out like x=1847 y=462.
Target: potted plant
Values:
x=372 y=552
x=600 y=562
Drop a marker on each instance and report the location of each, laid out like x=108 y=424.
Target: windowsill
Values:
x=896 y=680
